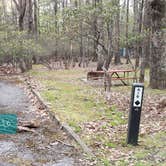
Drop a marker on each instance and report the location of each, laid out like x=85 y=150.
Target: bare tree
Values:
x=30 y=16
x=117 y=32
x=127 y=28
x=110 y=45
x=21 y=8
x=136 y=32
x=36 y=18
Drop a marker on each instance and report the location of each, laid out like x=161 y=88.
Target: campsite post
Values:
x=135 y=113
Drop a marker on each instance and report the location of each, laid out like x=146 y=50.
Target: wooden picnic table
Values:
x=121 y=75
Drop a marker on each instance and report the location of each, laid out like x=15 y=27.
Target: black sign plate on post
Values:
x=135 y=113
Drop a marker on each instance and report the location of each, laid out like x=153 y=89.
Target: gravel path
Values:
x=47 y=146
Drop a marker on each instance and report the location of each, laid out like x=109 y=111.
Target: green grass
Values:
x=151 y=151
x=106 y=162
x=75 y=126
x=77 y=103
x=111 y=145
x=71 y=102
x=152 y=146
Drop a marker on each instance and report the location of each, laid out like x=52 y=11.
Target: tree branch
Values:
x=23 y=8
x=17 y=5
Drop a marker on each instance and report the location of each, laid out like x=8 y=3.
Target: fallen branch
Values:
x=64 y=143
x=25 y=129
x=30 y=124
x=77 y=139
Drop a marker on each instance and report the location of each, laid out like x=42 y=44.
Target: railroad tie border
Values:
x=65 y=127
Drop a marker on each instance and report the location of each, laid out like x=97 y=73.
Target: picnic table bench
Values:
x=121 y=75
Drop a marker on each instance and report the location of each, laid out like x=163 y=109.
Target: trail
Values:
x=39 y=148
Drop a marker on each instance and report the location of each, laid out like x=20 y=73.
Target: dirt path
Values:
x=46 y=146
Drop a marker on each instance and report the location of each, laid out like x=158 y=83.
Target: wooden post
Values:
x=107 y=80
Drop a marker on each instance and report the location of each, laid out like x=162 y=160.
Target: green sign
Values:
x=8 y=124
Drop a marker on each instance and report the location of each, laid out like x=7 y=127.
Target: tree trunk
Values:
x=21 y=8
x=158 y=56
x=146 y=41
x=30 y=17
x=117 y=32
x=127 y=22
x=110 y=47
x=95 y=32
x=55 y=12
x=81 y=42
x=14 y=13
x=4 y=10
x=35 y=18
x=136 y=33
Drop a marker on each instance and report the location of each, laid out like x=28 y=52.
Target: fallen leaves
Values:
x=107 y=135
x=7 y=70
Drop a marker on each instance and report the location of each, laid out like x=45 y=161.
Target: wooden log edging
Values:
x=65 y=127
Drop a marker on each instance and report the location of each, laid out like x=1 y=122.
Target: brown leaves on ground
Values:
x=153 y=112
x=108 y=139
x=7 y=70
